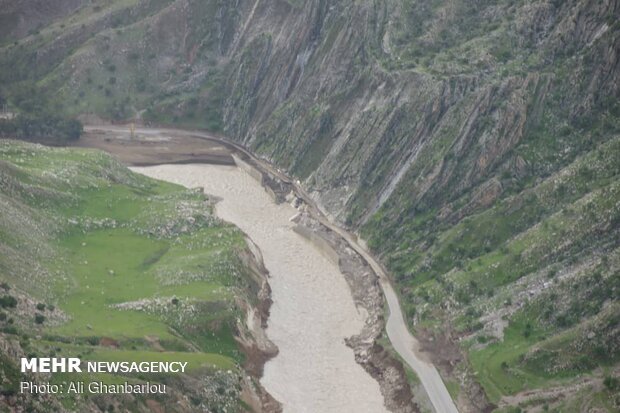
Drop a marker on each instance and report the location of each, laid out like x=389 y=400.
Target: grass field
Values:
x=141 y=269
x=498 y=364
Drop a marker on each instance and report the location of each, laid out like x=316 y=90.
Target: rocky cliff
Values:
x=474 y=144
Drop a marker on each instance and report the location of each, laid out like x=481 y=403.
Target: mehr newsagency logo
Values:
x=76 y=365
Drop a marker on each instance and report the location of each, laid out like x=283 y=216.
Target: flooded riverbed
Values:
x=312 y=312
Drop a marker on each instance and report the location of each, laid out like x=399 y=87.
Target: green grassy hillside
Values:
x=529 y=286
x=106 y=264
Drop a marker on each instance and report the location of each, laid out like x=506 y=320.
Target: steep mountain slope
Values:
x=106 y=265
x=474 y=144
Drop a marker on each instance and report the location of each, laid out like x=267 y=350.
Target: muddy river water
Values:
x=312 y=312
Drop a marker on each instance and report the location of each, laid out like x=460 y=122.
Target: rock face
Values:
x=323 y=100
x=474 y=144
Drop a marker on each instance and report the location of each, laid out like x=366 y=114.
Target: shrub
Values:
x=41 y=127
x=611 y=383
x=8 y=301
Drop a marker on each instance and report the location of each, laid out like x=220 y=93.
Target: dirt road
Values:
x=402 y=340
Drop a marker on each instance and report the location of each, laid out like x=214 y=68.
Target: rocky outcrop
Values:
x=251 y=336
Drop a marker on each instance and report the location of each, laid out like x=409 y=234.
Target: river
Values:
x=312 y=312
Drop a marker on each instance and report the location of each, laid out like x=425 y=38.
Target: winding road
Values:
x=402 y=340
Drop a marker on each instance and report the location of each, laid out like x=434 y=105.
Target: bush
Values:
x=611 y=383
x=41 y=127
x=8 y=301
x=39 y=318
x=7 y=391
x=40 y=306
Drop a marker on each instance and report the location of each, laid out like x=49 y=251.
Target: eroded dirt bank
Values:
x=313 y=312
